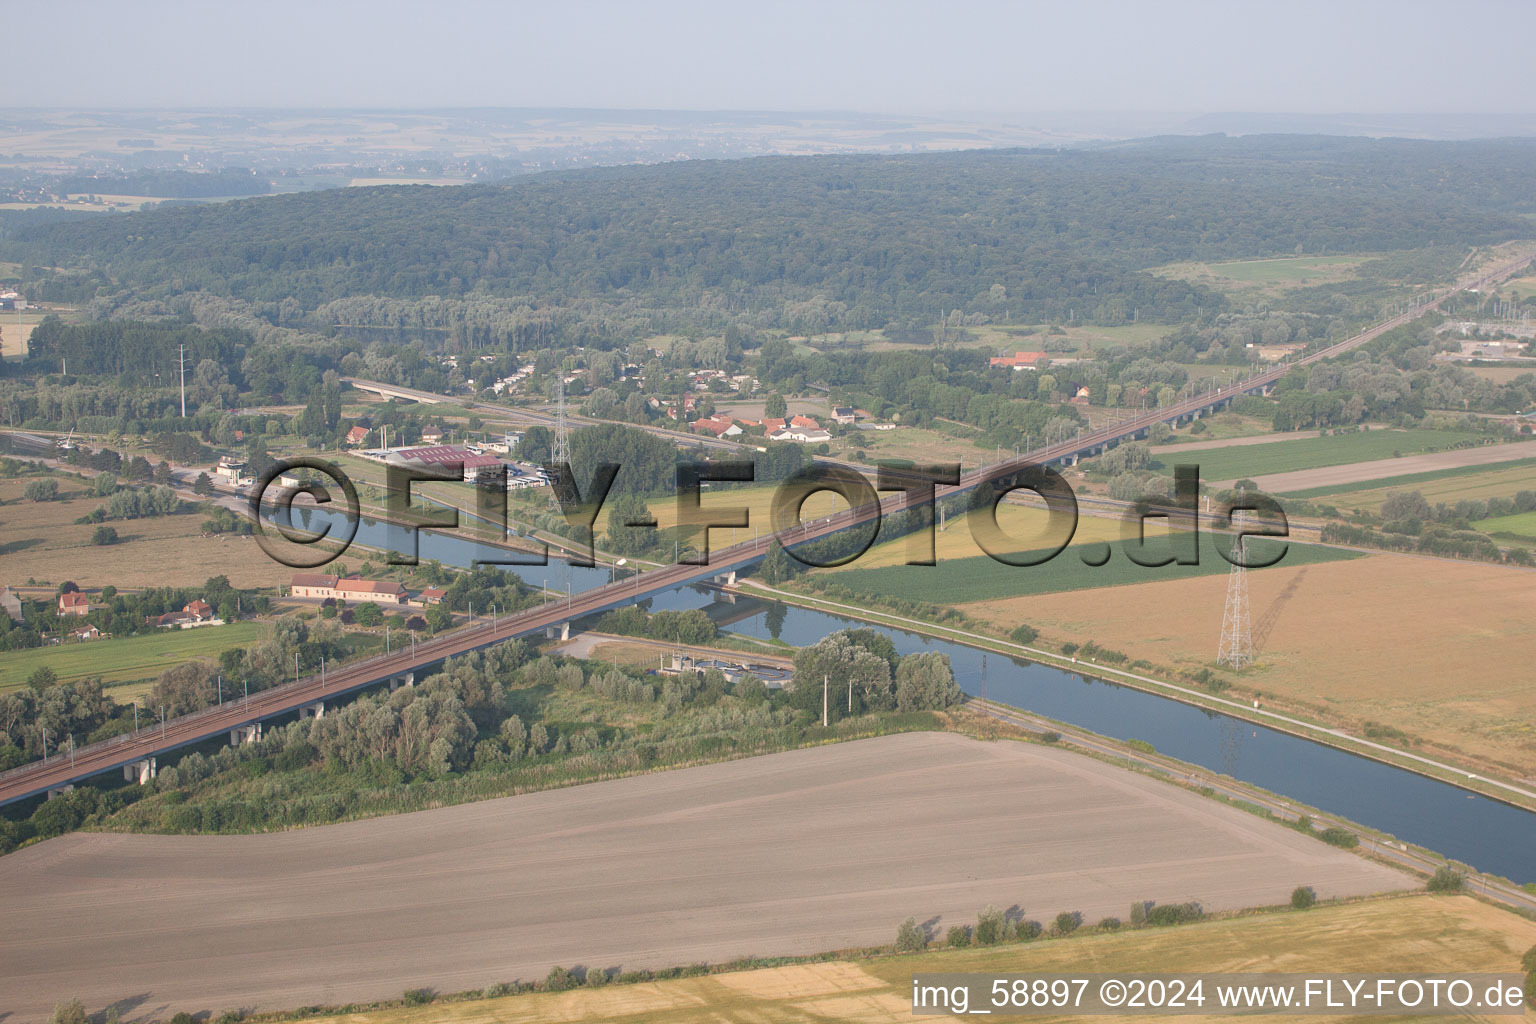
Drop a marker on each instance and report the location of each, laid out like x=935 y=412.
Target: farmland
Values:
x=984 y=579
x=127 y=659
x=1521 y=525
x=1433 y=647
x=1448 y=485
x=786 y=854
x=1269 y=276
x=42 y=541
x=1455 y=933
x=1030 y=524
x=1315 y=452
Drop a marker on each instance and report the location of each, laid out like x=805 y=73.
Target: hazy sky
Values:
x=1069 y=55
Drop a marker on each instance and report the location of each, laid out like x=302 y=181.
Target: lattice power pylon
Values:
x=1236 y=647
x=561 y=452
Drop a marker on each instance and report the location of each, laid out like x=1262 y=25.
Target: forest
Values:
x=802 y=244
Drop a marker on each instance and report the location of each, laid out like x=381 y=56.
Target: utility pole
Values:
x=823 y=701
x=181 y=364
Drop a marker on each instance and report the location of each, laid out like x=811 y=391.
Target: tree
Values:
x=559 y=979
x=369 y=614
x=925 y=682
x=957 y=936
x=989 y=926
x=41 y=490
x=72 y=1012
x=41 y=678
x=1303 y=897
x=1446 y=879
x=1024 y=634
x=202 y=485
x=163 y=473
x=104 y=536
x=775 y=408
x=1066 y=922
x=909 y=937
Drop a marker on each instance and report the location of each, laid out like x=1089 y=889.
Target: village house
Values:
x=431 y=435
x=1021 y=360
x=10 y=604
x=804 y=435
x=194 y=613
x=431 y=595
x=86 y=632
x=74 y=603
x=719 y=426
x=349 y=588
x=845 y=415
x=357 y=435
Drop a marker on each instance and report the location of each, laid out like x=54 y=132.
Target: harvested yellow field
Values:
x=1028 y=526
x=1436 y=648
x=1411 y=933
x=42 y=541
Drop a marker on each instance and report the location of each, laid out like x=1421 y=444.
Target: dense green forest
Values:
x=800 y=243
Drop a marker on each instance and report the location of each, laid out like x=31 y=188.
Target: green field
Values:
x=1313 y=452
x=1521 y=525
x=1281 y=271
x=1519 y=471
x=128 y=659
x=984 y=579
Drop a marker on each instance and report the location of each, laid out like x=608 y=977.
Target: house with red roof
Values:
x=1021 y=360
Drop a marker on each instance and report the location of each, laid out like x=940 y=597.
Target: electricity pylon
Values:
x=1236 y=647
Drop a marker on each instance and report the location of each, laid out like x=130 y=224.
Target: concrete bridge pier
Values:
x=140 y=771
x=64 y=790
x=315 y=710
x=564 y=631
x=245 y=734
x=727 y=579
x=395 y=682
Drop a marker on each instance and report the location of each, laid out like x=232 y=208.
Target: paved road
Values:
x=791 y=853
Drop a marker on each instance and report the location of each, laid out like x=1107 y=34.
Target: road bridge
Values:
x=63 y=770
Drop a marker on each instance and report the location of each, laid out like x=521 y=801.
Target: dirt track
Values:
x=1360 y=472
x=790 y=853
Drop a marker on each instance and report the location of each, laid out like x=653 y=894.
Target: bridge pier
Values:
x=140 y=771
x=242 y=734
x=727 y=579
x=64 y=790
x=564 y=628
x=315 y=710
x=395 y=682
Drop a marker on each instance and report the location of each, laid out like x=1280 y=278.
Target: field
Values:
x=128 y=659
x=1436 y=648
x=984 y=579
x=1521 y=524
x=1410 y=933
x=1447 y=485
x=815 y=849
x=1287 y=456
x=1031 y=524
x=16 y=327
x=1270 y=276
x=41 y=540
x=1383 y=469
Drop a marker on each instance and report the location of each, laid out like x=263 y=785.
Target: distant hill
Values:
x=871 y=240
